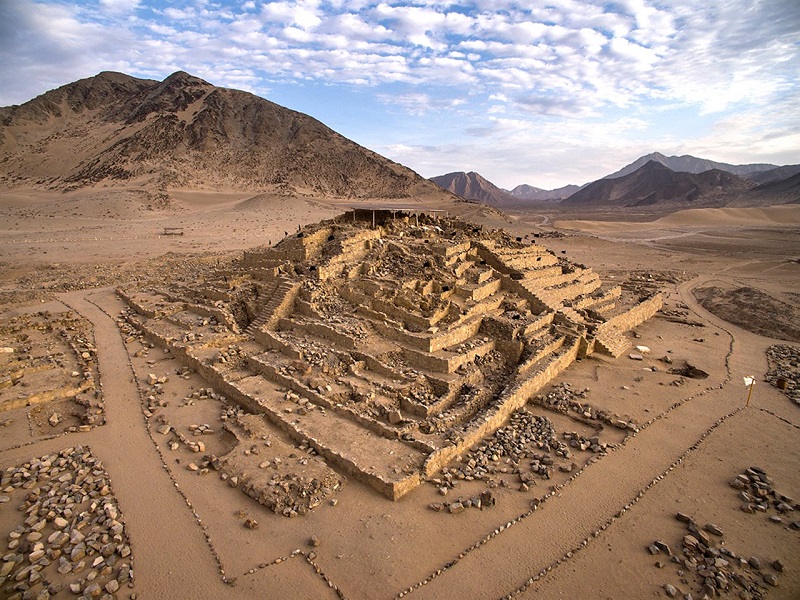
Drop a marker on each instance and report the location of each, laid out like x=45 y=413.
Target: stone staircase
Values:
x=612 y=342
x=283 y=294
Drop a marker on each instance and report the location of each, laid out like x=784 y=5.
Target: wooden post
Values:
x=749 y=381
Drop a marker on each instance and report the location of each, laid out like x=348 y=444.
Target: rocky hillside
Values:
x=183 y=132
x=473 y=186
x=774 y=175
x=778 y=192
x=655 y=183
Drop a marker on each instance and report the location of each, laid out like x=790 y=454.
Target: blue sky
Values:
x=543 y=93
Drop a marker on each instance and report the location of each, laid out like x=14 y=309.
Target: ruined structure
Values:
x=389 y=342
x=47 y=366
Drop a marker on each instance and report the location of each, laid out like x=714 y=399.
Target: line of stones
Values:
x=536 y=503
x=309 y=556
x=225 y=579
x=198 y=519
x=30 y=422
x=32 y=442
x=105 y=420
x=569 y=554
x=677 y=462
x=780 y=418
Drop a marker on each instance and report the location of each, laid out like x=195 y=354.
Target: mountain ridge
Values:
x=655 y=183
x=473 y=186
x=529 y=192
x=113 y=129
x=689 y=164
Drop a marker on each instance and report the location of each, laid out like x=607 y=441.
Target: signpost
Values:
x=749 y=381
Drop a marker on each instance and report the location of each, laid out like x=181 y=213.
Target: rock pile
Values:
x=527 y=436
x=784 y=370
x=72 y=535
x=757 y=493
x=564 y=399
x=485 y=500
x=709 y=568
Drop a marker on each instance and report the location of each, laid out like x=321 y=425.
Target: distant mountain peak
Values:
x=689 y=164
x=473 y=186
x=656 y=183
x=531 y=193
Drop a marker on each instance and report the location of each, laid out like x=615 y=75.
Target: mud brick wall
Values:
x=395 y=334
x=214 y=293
x=272 y=342
x=376 y=366
x=391 y=489
x=145 y=311
x=575 y=290
x=401 y=315
x=610 y=295
x=321 y=331
x=539 y=283
x=62 y=393
x=447 y=250
x=480 y=292
x=221 y=315
x=453 y=336
x=494 y=261
x=484 y=307
x=542 y=322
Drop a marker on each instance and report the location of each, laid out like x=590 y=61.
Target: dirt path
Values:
x=172 y=559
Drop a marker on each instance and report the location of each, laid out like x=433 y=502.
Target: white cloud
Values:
x=496 y=67
x=120 y=5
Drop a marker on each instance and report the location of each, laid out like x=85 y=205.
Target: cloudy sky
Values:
x=539 y=92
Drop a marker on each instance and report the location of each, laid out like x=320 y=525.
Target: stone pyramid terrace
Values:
x=390 y=343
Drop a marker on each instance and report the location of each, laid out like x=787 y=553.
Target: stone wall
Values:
x=319 y=330
x=534 y=303
x=513 y=398
x=445 y=364
x=633 y=317
x=544 y=351
x=391 y=489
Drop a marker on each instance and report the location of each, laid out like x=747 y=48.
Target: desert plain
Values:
x=698 y=496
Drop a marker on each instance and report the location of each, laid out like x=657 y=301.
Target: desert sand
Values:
x=592 y=528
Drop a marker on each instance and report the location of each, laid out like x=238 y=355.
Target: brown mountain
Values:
x=778 y=192
x=690 y=164
x=774 y=175
x=528 y=192
x=655 y=183
x=116 y=130
x=473 y=186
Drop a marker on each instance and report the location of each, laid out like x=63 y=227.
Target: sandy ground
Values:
x=590 y=539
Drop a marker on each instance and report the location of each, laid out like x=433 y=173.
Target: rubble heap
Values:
x=388 y=342
x=48 y=363
x=784 y=370
x=71 y=533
